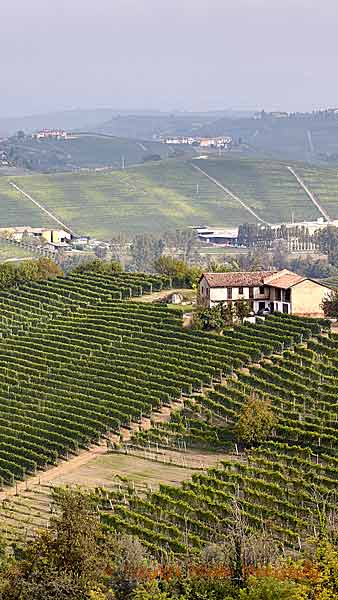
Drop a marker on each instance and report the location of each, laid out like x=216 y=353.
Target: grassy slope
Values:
x=324 y=183
x=265 y=185
x=157 y=197
x=18 y=211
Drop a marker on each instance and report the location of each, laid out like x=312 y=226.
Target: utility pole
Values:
x=197 y=189
x=123 y=162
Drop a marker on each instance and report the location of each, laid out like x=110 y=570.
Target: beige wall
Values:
x=306 y=298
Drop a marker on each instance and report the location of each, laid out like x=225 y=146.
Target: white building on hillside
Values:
x=277 y=291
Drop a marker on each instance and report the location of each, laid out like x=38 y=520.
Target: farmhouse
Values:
x=54 y=134
x=282 y=291
x=57 y=237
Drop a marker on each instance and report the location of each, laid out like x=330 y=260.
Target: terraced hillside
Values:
x=76 y=364
x=265 y=186
x=286 y=485
x=171 y=194
x=156 y=197
x=79 y=361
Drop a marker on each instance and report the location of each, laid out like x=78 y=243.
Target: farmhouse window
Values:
x=251 y=292
x=262 y=289
x=229 y=293
x=240 y=291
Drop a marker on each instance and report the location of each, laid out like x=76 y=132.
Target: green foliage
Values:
x=209 y=319
x=242 y=309
x=179 y=270
x=269 y=588
x=97 y=265
x=326 y=587
x=166 y=265
x=145 y=251
x=256 y=422
x=328 y=242
x=28 y=270
x=330 y=304
x=65 y=562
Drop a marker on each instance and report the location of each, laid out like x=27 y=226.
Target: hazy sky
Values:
x=170 y=54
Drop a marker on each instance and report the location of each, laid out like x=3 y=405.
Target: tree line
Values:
x=76 y=558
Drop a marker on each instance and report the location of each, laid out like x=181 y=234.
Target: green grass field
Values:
x=11 y=252
x=161 y=196
x=323 y=182
x=266 y=186
x=153 y=198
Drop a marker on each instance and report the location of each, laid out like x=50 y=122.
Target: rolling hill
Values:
x=80 y=361
x=161 y=196
x=302 y=137
x=80 y=151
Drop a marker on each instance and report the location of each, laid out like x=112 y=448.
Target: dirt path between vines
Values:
x=148 y=298
x=66 y=467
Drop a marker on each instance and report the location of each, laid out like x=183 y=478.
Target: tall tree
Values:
x=145 y=250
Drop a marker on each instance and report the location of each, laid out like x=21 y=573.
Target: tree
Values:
x=66 y=562
x=327 y=239
x=280 y=254
x=46 y=268
x=227 y=267
x=270 y=588
x=256 y=422
x=145 y=250
x=101 y=252
x=209 y=318
x=330 y=305
x=242 y=309
x=8 y=275
x=166 y=265
x=228 y=314
x=178 y=269
x=119 y=247
x=183 y=243
x=97 y=265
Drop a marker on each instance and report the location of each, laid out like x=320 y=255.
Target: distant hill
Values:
x=66 y=119
x=102 y=119
x=86 y=150
x=299 y=138
x=148 y=126
x=165 y=195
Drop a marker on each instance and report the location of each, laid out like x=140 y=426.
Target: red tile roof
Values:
x=237 y=278
x=283 y=279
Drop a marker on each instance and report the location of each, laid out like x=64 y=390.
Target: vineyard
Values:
x=80 y=363
x=168 y=194
x=285 y=486
x=77 y=363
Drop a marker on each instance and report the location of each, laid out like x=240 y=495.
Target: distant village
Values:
x=223 y=142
